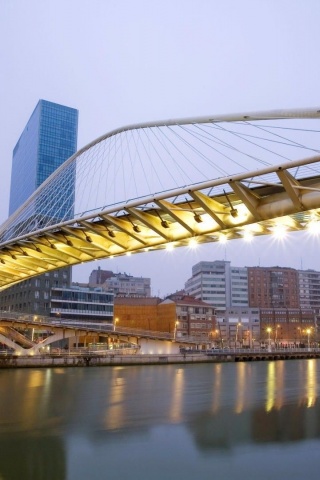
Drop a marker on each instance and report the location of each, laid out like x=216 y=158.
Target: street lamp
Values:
x=269 y=339
x=116 y=320
x=175 y=329
x=238 y=325
x=276 y=337
x=308 y=333
x=217 y=332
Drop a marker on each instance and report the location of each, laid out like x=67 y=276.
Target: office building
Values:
x=219 y=284
x=309 y=292
x=273 y=287
x=309 y=289
x=49 y=138
x=82 y=304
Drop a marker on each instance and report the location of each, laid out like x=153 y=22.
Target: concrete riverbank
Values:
x=87 y=360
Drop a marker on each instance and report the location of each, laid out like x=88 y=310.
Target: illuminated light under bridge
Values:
x=172 y=183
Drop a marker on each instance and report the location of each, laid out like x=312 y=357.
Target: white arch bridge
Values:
x=170 y=183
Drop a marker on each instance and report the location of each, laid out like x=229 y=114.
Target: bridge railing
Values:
x=259 y=350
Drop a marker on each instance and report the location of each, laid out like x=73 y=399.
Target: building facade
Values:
x=288 y=326
x=121 y=284
x=180 y=315
x=99 y=276
x=309 y=289
x=82 y=304
x=273 y=287
x=49 y=138
x=145 y=313
x=219 y=284
x=238 y=327
x=195 y=318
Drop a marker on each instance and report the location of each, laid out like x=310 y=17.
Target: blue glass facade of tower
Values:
x=49 y=138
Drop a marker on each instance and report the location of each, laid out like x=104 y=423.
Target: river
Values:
x=257 y=420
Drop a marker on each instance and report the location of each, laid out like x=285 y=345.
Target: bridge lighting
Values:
x=128 y=254
x=223 y=238
x=193 y=243
x=197 y=218
x=233 y=211
x=111 y=233
x=314 y=227
x=136 y=229
x=169 y=247
x=248 y=236
x=164 y=223
x=280 y=231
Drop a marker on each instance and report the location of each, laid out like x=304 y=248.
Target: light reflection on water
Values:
x=243 y=420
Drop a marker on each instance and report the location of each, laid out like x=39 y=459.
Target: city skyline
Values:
x=176 y=63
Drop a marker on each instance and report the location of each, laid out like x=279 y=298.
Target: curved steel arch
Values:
x=202 y=212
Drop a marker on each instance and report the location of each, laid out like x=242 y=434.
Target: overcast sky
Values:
x=122 y=62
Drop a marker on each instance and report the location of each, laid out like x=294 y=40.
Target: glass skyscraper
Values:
x=49 y=138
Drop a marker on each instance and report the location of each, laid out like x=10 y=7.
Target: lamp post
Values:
x=175 y=329
x=276 y=337
x=308 y=333
x=238 y=325
x=116 y=320
x=269 y=339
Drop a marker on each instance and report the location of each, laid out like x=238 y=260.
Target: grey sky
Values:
x=122 y=62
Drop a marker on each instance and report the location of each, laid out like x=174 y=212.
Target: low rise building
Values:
x=288 y=326
x=194 y=318
x=181 y=315
x=238 y=327
x=150 y=313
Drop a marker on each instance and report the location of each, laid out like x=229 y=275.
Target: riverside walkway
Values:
x=82 y=358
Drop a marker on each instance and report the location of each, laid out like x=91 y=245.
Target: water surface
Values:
x=223 y=421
